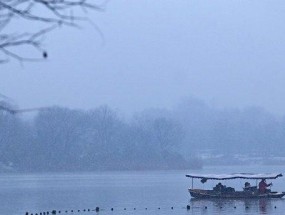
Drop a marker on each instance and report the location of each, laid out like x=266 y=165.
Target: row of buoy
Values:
x=53 y=212
x=144 y=208
x=97 y=209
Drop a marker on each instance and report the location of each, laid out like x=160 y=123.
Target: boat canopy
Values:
x=235 y=176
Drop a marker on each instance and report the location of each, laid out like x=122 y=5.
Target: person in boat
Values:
x=262 y=186
x=219 y=187
x=223 y=188
x=248 y=187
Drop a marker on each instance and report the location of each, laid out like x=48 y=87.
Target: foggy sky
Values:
x=157 y=53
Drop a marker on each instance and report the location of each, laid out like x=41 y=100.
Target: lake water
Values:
x=150 y=192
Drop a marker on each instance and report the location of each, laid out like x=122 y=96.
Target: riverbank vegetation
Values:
x=61 y=139
x=189 y=135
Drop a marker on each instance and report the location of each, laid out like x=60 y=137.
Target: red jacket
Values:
x=262 y=186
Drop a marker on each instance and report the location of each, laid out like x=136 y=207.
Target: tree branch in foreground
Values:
x=47 y=14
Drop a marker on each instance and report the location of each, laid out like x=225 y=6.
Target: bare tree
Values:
x=46 y=15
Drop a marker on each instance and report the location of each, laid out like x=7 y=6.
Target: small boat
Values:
x=221 y=191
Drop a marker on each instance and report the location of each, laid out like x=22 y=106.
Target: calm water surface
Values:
x=151 y=192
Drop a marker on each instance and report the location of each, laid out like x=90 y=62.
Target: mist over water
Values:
x=37 y=193
x=175 y=87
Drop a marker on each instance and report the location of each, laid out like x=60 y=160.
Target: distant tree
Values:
x=168 y=133
x=15 y=139
x=103 y=138
x=41 y=17
x=58 y=133
x=156 y=140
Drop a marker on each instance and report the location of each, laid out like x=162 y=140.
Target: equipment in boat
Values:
x=221 y=191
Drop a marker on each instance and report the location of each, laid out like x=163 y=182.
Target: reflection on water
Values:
x=244 y=206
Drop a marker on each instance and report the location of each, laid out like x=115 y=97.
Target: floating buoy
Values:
x=171 y=208
x=112 y=209
x=188 y=207
x=158 y=208
x=53 y=212
x=275 y=207
x=45 y=54
x=205 y=207
x=97 y=209
x=235 y=207
x=125 y=209
x=134 y=208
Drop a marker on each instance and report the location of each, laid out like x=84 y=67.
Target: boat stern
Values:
x=198 y=193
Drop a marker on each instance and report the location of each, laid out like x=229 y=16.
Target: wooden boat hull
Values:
x=203 y=194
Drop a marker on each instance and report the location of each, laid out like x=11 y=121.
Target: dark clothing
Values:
x=219 y=187
x=223 y=189
x=251 y=188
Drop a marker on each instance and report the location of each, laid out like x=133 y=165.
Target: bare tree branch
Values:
x=7 y=106
x=49 y=14
x=19 y=111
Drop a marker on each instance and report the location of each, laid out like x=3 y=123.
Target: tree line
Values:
x=232 y=135
x=63 y=139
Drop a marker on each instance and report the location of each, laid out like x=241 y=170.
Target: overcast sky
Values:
x=229 y=53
